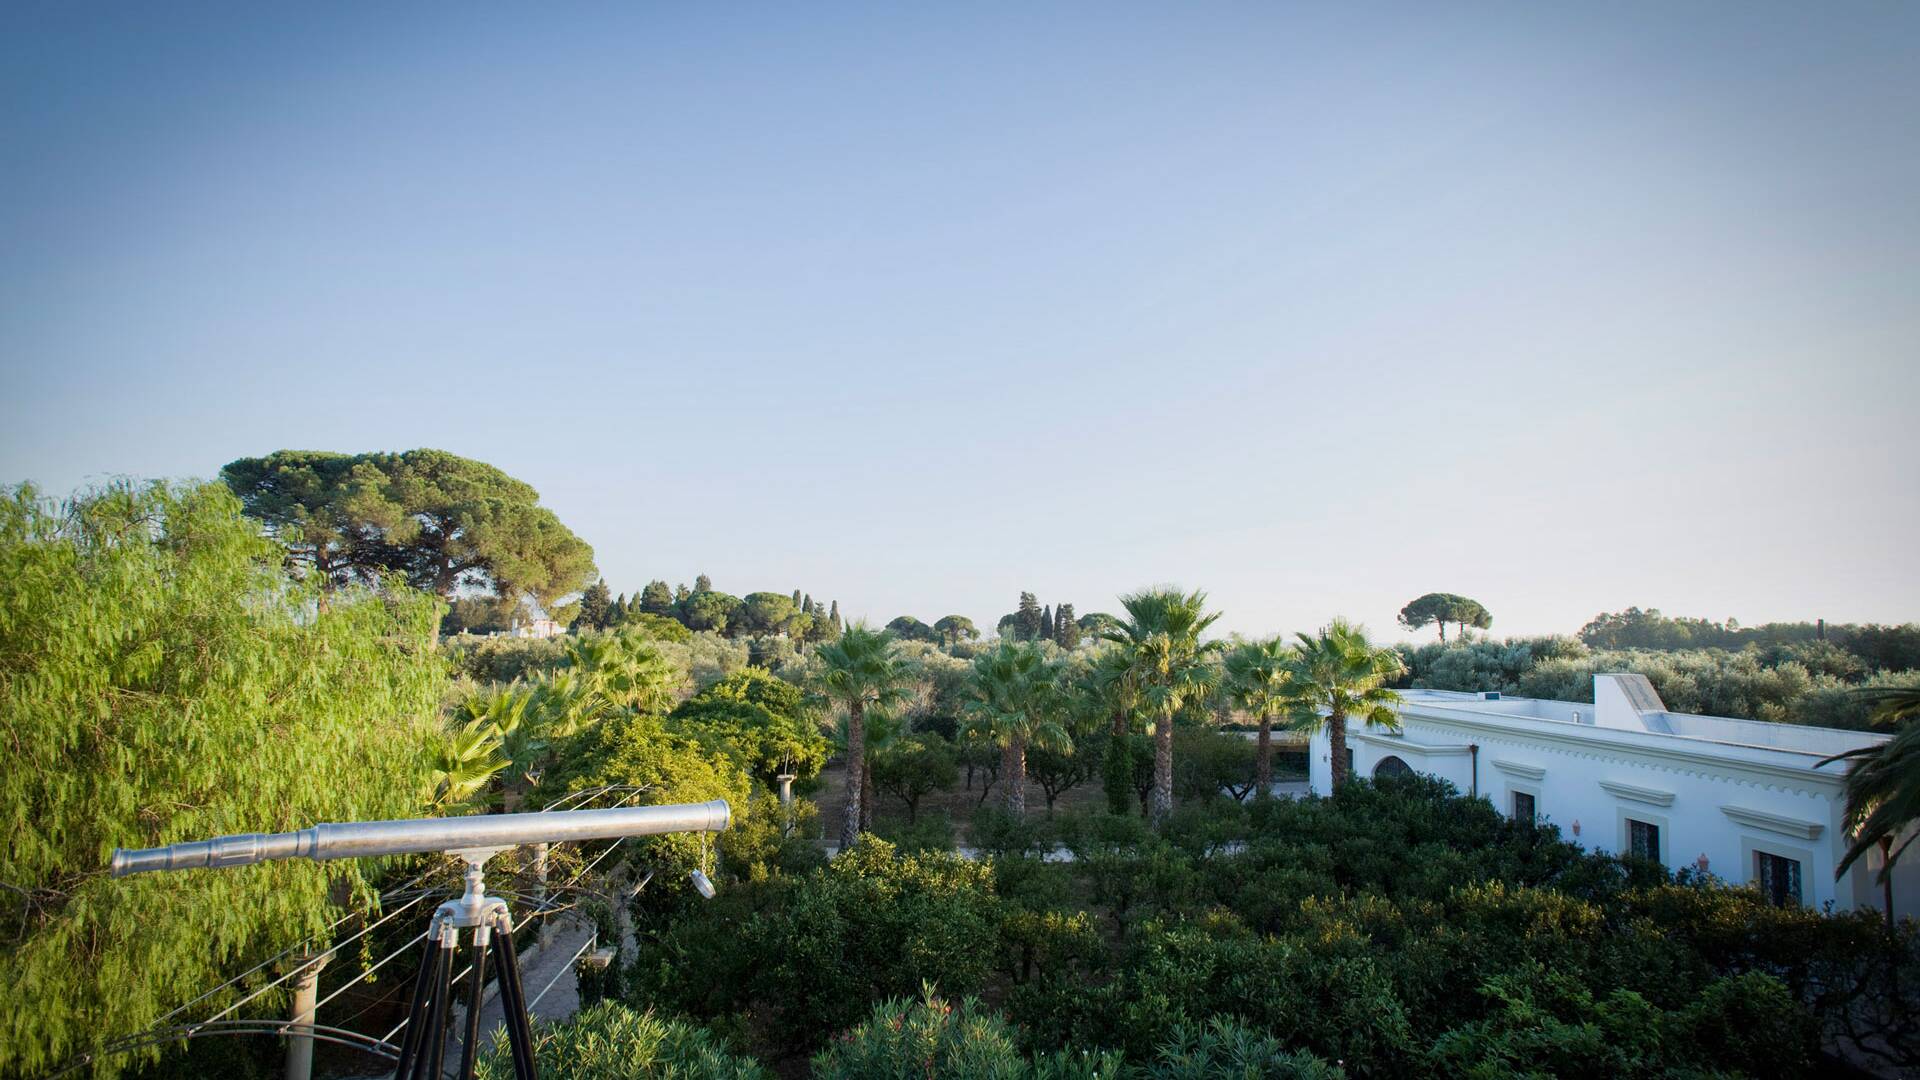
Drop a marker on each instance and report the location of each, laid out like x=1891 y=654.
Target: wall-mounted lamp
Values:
x=1576 y=826
x=1701 y=862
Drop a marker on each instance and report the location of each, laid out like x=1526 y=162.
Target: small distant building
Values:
x=1741 y=799
x=536 y=628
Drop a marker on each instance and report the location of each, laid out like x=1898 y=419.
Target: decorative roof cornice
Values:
x=1775 y=823
x=1660 y=751
x=1637 y=793
x=1530 y=772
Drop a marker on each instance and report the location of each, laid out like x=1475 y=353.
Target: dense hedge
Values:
x=1390 y=930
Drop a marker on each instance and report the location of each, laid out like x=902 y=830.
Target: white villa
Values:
x=1738 y=798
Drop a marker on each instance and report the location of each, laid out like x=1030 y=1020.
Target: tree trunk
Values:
x=1443 y=630
x=1163 y=769
x=1014 y=764
x=1337 y=743
x=1263 y=774
x=856 y=773
x=868 y=800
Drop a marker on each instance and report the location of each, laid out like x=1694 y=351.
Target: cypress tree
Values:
x=657 y=599
x=594 y=602
x=1045 y=629
x=1026 y=618
x=1066 y=631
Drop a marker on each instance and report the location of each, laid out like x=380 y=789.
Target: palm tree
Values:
x=1883 y=787
x=1335 y=675
x=1168 y=668
x=860 y=668
x=1014 y=703
x=1257 y=675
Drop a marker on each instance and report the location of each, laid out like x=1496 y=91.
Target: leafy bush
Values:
x=811 y=954
x=1225 y=1050
x=609 y=1041
x=931 y=833
x=927 y=1037
x=163 y=682
x=1207 y=764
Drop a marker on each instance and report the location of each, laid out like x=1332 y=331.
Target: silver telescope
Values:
x=481 y=833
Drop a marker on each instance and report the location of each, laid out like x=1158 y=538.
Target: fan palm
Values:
x=1104 y=687
x=1335 y=675
x=1014 y=702
x=861 y=668
x=1883 y=787
x=1167 y=668
x=1257 y=674
x=466 y=763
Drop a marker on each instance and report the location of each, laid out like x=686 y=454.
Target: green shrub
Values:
x=160 y=681
x=933 y=832
x=1225 y=1050
x=610 y=1041
x=928 y=1037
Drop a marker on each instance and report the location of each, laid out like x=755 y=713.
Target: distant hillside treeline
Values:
x=1799 y=673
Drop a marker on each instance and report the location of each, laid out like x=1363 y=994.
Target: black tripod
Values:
x=423 y=1049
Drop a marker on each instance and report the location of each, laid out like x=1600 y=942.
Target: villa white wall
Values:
x=1568 y=789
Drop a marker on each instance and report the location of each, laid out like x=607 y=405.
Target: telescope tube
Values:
x=362 y=839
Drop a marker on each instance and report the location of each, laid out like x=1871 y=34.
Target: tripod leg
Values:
x=423 y=983
x=513 y=1002
x=436 y=1051
x=476 y=995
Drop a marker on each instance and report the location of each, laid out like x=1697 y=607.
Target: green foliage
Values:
x=1116 y=774
x=1883 y=786
x=657 y=599
x=1222 y=1049
x=708 y=610
x=913 y=767
x=908 y=628
x=861 y=669
x=928 y=1037
x=609 y=1041
x=163 y=682
x=1338 y=674
x=1546 y=1023
x=444 y=521
x=639 y=750
x=504 y=659
x=953 y=629
x=1208 y=763
x=817 y=951
x=762 y=720
x=1166 y=669
x=1444 y=608
x=1014 y=703
x=763 y=613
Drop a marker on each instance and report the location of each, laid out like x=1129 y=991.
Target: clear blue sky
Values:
x=1562 y=306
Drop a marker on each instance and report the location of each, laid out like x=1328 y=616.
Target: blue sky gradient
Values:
x=1564 y=307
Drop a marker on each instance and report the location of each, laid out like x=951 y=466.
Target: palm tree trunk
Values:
x=1014 y=764
x=856 y=773
x=1263 y=773
x=868 y=800
x=1337 y=743
x=1163 y=768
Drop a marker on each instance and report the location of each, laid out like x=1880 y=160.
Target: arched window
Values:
x=1391 y=766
